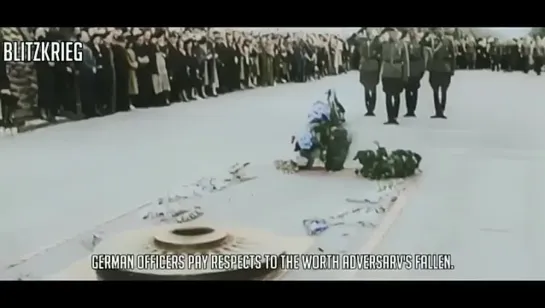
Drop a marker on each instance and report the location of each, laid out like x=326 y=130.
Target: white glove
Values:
x=301 y=161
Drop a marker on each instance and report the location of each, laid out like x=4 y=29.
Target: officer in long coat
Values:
x=496 y=54
x=538 y=54
x=369 y=50
x=441 y=65
x=417 y=59
x=395 y=72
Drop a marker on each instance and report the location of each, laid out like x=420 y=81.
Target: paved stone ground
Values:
x=477 y=200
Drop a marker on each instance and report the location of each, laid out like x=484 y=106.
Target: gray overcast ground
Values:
x=479 y=199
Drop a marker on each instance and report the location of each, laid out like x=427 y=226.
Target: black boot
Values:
x=372 y=101
x=443 y=101
x=369 y=104
x=415 y=102
x=409 y=103
x=183 y=96
x=390 y=110
x=396 y=105
x=437 y=105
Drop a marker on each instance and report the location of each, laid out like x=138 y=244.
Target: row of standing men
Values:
x=518 y=54
x=400 y=60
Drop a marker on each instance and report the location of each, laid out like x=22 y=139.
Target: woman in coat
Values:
x=160 y=78
x=133 y=66
x=417 y=66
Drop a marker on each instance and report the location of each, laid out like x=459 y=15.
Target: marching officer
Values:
x=395 y=72
x=370 y=52
x=441 y=65
x=417 y=67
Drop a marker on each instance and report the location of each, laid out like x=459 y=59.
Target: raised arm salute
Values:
x=370 y=52
x=441 y=65
x=395 y=72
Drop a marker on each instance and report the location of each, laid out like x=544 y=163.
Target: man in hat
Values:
x=86 y=78
x=47 y=80
x=121 y=66
x=104 y=72
x=538 y=54
x=507 y=55
x=145 y=56
x=471 y=52
x=526 y=54
x=223 y=62
x=395 y=72
x=516 y=55
x=110 y=103
x=65 y=79
x=8 y=101
x=441 y=65
x=417 y=57
x=369 y=49
x=496 y=53
x=176 y=67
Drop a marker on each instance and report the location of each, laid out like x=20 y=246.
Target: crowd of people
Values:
x=124 y=68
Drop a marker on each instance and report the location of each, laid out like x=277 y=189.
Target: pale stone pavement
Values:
x=479 y=198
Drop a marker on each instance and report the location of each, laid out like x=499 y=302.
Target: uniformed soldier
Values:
x=460 y=46
x=417 y=67
x=441 y=65
x=482 y=54
x=369 y=51
x=510 y=53
x=526 y=54
x=471 y=52
x=516 y=55
x=496 y=55
x=538 y=55
x=395 y=72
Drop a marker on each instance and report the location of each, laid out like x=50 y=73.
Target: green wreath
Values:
x=380 y=165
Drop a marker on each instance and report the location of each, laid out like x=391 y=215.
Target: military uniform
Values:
x=441 y=65
x=482 y=54
x=471 y=54
x=417 y=67
x=538 y=55
x=460 y=54
x=369 y=66
x=507 y=47
x=525 y=53
x=496 y=54
x=515 y=59
x=395 y=73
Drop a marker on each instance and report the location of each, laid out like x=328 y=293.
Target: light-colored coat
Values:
x=133 y=65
